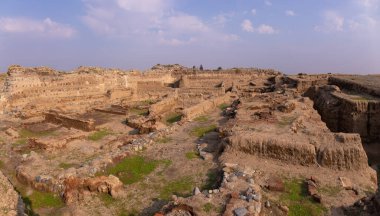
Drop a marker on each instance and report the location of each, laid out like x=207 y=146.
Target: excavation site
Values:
x=181 y=141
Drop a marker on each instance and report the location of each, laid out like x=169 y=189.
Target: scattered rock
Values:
x=267 y=204
x=196 y=191
x=284 y=208
x=240 y=212
x=275 y=184
x=346 y=183
x=12 y=133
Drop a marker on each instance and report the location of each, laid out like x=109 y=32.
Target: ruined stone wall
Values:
x=70 y=122
x=205 y=106
x=303 y=82
x=166 y=105
x=42 y=88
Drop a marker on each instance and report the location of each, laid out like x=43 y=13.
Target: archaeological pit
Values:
x=179 y=141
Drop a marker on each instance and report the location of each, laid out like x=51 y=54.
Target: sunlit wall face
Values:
x=291 y=36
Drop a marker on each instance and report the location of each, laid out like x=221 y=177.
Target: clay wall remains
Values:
x=205 y=106
x=70 y=122
x=164 y=106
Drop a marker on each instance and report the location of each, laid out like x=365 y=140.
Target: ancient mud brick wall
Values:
x=205 y=106
x=271 y=147
x=70 y=122
x=166 y=105
x=43 y=88
x=303 y=82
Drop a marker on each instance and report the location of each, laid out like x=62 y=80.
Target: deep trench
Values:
x=371 y=146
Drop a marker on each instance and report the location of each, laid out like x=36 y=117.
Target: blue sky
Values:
x=314 y=36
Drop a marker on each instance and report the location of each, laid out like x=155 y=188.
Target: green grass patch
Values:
x=212 y=179
x=25 y=133
x=192 y=155
x=44 y=200
x=223 y=106
x=175 y=117
x=202 y=130
x=286 y=120
x=132 y=212
x=139 y=111
x=1 y=164
x=132 y=169
x=98 y=135
x=208 y=207
x=66 y=165
x=330 y=190
x=164 y=139
x=181 y=187
x=296 y=197
x=20 y=142
x=201 y=119
x=148 y=102
x=106 y=199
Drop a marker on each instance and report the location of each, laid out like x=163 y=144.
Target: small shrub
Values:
x=191 y=155
x=201 y=119
x=98 y=135
x=201 y=131
x=175 y=117
x=164 y=139
x=223 y=106
x=139 y=111
x=66 y=165
x=181 y=187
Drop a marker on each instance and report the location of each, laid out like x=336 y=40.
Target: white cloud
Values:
x=268 y=3
x=254 y=12
x=230 y=37
x=373 y=4
x=290 y=13
x=247 y=26
x=153 y=20
x=185 y=23
x=332 y=22
x=46 y=27
x=146 y=6
x=362 y=22
x=266 y=29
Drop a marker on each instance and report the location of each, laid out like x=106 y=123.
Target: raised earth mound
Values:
x=180 y=141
